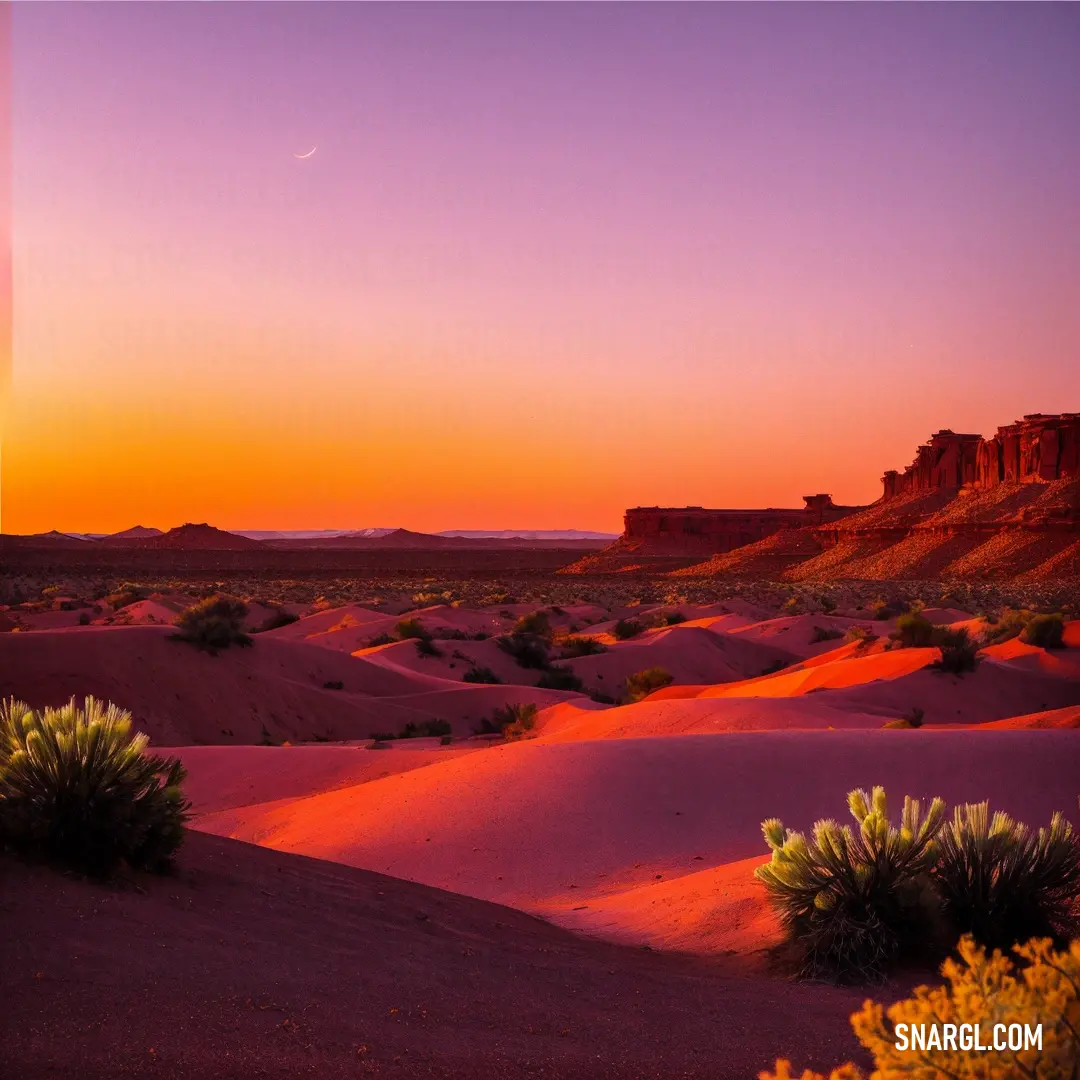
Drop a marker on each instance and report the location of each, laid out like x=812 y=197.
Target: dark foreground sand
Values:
x=252 y=963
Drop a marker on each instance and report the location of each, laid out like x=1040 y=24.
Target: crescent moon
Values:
x=307 y=155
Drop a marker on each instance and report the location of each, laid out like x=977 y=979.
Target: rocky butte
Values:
x=1039 y=447
x=967 y=507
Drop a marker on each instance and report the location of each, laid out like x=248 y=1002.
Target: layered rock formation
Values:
x=1038 y=447
x=1007 y=507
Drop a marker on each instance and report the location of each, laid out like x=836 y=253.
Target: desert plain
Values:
x=385 y=877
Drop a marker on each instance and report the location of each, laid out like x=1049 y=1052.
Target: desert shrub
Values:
x=673 y=618
x=412 y=628
x=515 y=721
x=430 y=599
x=827 y=603
x=381 y=639
x=791 y=606
x=450 y=633
x=1003 y=882
x=84 y=618
x=480 y=675
x=559 y=677
x=912 y=719
x=278 y=618
x=430 y=729
x=426 y=647
x=983 y=991
x=625 y=629
x=822 y=633
x=214 y=623
x=77 y=786
x=536 y=623
x=862 y=634
x=334 y=684
x=600 y=696
x=913 y=631
x=773 y=668
x=1009 y=624
x=642 y=683
x=851 y=901
x=959 y=651
x=122 y=597
x=1046 y=631
x=577 y=645
x=527 y=650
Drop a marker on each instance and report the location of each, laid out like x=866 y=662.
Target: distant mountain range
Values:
x=206 y=537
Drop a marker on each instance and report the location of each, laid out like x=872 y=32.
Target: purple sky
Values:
x=547 y=262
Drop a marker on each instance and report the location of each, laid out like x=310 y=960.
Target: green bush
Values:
x=76 y=786
x=214 y=623
x=821 y=633
x=1002 y=882
x=480 y=675
x=1046 y=631
x=625 y=629
x=913 y=631
x=430 y=729
x=412 y=628
x=913 y=719
x=527 y=650
x=862 y=634
x=1011 y=623
x=852 y=901
x=536 y=623
x=334 y=684
x=577 y=645
x=559 y=677
x=426 y=647
x=381 y=639
x=642 y=683
x=959 y=651
x=515 y=721
x=673 y=618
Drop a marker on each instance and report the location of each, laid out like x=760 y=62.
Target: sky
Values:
x=546 y=263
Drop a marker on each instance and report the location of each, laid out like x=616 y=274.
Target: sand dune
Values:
x=251 y=963
x=1054 y=718
x=180 y=696
x=523 y=823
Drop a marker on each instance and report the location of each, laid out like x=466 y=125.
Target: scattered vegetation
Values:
x=1046 y=631
x=334 y=684
x=527 y=650
x=381 y=639
x=959 y=651
x=580 y=645
x=981 y=991
x=426 y=647
x=912 y=719
x=214 y=623
x=625 y=629
x=913 y=631
x=426 y=729
x=78 y=787
x=673 y=618
x=825 y=633
x=412 y=629
x=515 y=721
x=642 y=683
x=480 y=675
x=862 y=634
x=536 y=623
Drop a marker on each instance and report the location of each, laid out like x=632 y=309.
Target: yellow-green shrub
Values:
x=985 y=991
